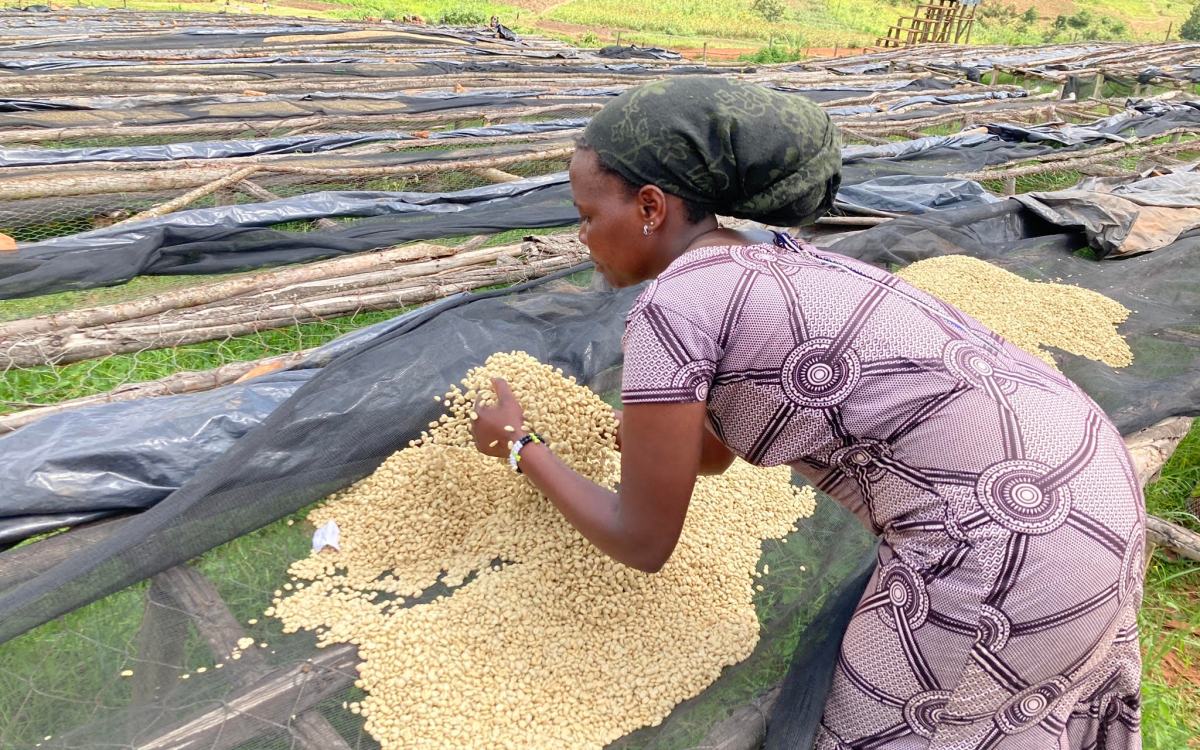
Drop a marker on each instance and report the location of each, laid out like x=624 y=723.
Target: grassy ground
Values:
x=47 y=384
x=688 y=24
x=1170 y=617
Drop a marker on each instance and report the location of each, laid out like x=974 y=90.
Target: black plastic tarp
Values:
x=971 y=151
x=255 y=108
x=196 y=242
x=334 y=429
x=129 y=455
x=299 y=144
x=36 y=105
x=634 y=52
x=907 y=194
x=257 y=36
x=358 y=66
x=829 y=92
x=1122 y=216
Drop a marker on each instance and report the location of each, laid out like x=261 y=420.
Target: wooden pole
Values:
x=42 y=185
x=192 y=381
x=288 y=305
x=191 y=196
x=62 y=323
x=208 y=129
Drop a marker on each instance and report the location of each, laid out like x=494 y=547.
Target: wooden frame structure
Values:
x=933 y=22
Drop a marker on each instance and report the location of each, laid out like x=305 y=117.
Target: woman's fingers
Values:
x=504 y=394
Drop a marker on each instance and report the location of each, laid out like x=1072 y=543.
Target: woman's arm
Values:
x=715 y=457
x=638 y=525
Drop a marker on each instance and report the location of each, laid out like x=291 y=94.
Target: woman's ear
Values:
x=652 y=204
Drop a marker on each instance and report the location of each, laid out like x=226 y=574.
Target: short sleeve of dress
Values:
x=668 y=358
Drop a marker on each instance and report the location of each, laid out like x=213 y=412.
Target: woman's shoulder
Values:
x=697 y=281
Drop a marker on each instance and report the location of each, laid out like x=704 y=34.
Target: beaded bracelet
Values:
x=514 y=454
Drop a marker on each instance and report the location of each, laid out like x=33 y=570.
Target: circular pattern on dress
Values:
x=994 y=628
x=811 y=379
x=924 y=711
x=762 y=258
x=1028 y=707
x=974 y=365
x=906 y=595
x=696 y=377
x=1132 y=562
x=862 y=457
x=1010 y=493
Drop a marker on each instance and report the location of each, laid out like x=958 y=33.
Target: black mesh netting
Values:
x=61 y=675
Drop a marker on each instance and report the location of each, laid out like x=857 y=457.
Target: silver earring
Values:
x=645 y=230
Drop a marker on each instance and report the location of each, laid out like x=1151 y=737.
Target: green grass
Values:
x=827 y=23
x=1170 y=617
x=691 y=23
x=46 y=384
x=142 y=286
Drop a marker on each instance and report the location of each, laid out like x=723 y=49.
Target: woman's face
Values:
x=610 y=221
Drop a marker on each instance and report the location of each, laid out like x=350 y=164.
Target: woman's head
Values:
x=660 y=160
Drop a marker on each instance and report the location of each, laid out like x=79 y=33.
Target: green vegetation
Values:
x=1190 y=29
x=789 y=51
x=1170 y=618
x=688 y=24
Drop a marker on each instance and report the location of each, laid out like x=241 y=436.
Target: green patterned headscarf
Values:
x=733 y=148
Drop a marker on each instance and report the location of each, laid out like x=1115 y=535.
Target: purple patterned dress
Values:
x=1003 y=611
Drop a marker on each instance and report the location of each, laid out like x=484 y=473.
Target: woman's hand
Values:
x=497 y=426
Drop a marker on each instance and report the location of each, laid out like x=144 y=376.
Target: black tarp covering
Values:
x=634 y=52
x=190 y=245
x=279 y=66
x=128 y=455
x=181 y=243
x=336 y=428
x=231 y=37
x=262 y=108
x=1122 y=216
x=298 y=144
x=341 y=423
x=34 y=105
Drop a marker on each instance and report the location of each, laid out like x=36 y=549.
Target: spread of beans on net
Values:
x=540 y=640
x=1030 y=314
